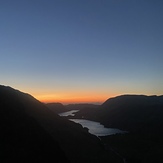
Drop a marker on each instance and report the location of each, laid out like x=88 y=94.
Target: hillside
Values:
x=30 y=132
x=133 y=113
x=23 y=139
x=142 y=116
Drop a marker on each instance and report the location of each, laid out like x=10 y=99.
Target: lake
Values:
x=95 y=128
x=68 y=113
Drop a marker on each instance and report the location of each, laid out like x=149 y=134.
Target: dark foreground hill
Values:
x=23 y=139
x=142 y=116
x=30 y=132
x=136 y=113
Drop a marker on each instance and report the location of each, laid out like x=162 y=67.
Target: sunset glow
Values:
x=73 y=98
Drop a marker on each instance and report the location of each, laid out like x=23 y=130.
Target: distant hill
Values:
x=81 y=106
x=56 y=107
x=30 y=132
x=84 y=108
x=133 y=112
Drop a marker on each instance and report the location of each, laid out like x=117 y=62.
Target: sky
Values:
x=73 y=51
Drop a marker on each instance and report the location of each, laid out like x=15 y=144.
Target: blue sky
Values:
x=82 y=50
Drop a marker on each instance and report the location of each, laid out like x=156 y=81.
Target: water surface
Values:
x=68 y=113
x=96 y=128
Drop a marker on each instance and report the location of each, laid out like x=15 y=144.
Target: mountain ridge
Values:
x=127 y=112
x=131 y=112
x=23 y=115
x=22 y=137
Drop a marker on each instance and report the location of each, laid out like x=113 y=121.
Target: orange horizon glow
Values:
x=49 y=95
x=72 y=98
x=78 y=95
x=69 y=97
x=69 y=101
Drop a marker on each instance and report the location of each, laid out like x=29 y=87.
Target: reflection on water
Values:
x=96 y=128
x=68 y=113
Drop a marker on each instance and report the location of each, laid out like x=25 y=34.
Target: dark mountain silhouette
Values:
x=133 y=113
x=56 y=107
x=84 y=109
x=142 y=116
x=30 y=132
x=81 y=106
x=59 y=108
x=22 y=138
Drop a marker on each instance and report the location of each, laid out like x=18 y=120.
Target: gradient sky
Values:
x=82 y=50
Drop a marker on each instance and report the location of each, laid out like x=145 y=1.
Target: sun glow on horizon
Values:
x=79 y=95
x=70 y=98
